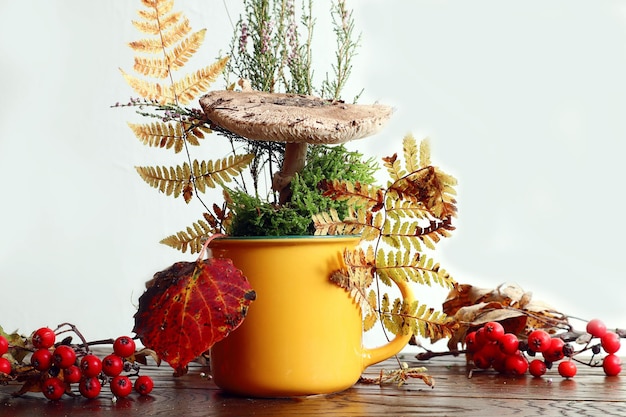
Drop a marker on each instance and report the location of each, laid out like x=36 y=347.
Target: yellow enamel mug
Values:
x=303 y=333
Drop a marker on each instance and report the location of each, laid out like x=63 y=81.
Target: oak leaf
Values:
x=190 y=306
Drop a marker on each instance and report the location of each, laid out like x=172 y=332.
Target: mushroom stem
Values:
x=294 y=160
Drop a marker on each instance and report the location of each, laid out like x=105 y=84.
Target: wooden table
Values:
x=590 y=393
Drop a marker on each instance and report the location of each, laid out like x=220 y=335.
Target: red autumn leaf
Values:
x=189 y=307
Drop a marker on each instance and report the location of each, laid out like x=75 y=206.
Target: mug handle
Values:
x=375 y=355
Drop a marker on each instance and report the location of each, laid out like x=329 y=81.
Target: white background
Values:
x=524 y=102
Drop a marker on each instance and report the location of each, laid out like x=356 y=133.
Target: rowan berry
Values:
x=4 y=345
x=470 y=342
x=43 y=338
x=537 y=368
x=124 y=346
x=493 y=331
x=555 y=352
x=90 y=365
x=144 y=385
x=539 y=340
x=112 y=365
x=121 y=386
x=508 y=343
x=610 y=342
x=90 y=387
x=612 y=365
x=41 y=359
x=596 y=328
x=64 y=356
x=72 y=374
x=5 y=366
x=567 y=369
x=516 y=365
x=53 y=388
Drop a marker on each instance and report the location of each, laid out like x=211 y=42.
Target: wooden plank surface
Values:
x=485 y=394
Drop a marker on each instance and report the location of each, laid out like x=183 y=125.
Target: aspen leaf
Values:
x=189 y=307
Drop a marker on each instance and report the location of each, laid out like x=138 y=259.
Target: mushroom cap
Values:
x=283 y=117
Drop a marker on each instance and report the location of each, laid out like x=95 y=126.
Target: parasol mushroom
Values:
x=294 y=119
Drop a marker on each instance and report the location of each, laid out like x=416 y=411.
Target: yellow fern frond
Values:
x=394 y=167
x=175 y=59
x=193 y=84
x=209 y=174
x=166 y=40
x=156 y=8
x=371 y=318
x=170 y=181
x=192 y=238
x=154 y=23
x=180 y=54
x=146 y=89
x=411 y=153
x=329 y=223
x=424 y=154
x=168 y=135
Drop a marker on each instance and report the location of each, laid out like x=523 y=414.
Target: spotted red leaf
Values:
x=189 y=307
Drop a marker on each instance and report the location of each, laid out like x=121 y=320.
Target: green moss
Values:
x=253 y=216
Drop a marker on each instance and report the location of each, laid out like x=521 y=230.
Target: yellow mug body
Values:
x=303 y=333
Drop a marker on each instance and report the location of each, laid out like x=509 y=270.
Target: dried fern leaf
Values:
x=351 y=283
x=424 y=153
x=329 y=223
x=355 y=194
x=175 y=59
x=208 y=174
x=394 y=168
x=168 y=135
x=411 y=153
x=192 y=238
x=156 y=8
x=187 y=89
x=157 y=22
x=166 y=40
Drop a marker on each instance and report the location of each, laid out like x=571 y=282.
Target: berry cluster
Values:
x=61 y=365
x=491 y=347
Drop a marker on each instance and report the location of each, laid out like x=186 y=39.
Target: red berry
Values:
x=4 y=345
x=91 y=365
x=124 y=346
x=610 y=342
x=44 y=338
x=470 y=342
x=508 y=343
x=481 y=360
x=41 y=359
x=144 y=385
x=612 y=365
x=481 y=338
x=5 y=366
x=112 y=365
x=537 y=368
x=53 y=388
x=499 y=363
x=539 y=340
x=121 y=386
x=516 y=364
x=596 y=328
x=493 y=331
x=72 y=374
x=90 y=387
x=555 y=352
x=64 y=356
x=567 y=369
